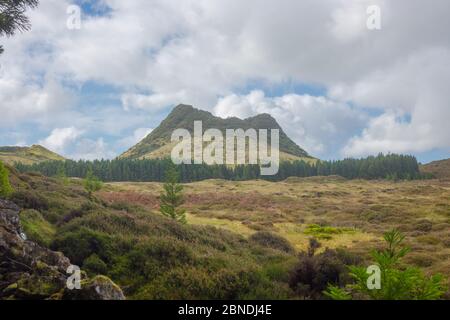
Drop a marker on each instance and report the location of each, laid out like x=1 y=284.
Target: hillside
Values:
x=27 y=155
x=439 y=169
x=144 y=253
x=158 y=143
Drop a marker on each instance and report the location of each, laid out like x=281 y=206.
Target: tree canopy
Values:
x=395 y=167
x=13 y=17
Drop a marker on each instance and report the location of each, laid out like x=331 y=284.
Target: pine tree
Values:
x=61 y=174
x=91 y=183
x=5 y=186
x=13 y=18
x=172 y=197
x=397 y=283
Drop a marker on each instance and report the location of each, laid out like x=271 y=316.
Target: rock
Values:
x=98 y=288
x=29 y=271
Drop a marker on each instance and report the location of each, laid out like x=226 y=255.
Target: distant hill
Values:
x=27 y=155
x=439 y=169
x=158 y=143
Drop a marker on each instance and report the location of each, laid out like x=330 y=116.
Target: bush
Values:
x=94 y=265
x=271 y=240
x=30 y=200
x=163 y=252
x=81 y=244
x=199 y=284
x=78 y=213
x=5 y=186
x=313 y=273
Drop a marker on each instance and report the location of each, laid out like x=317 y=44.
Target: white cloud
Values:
x=389 y=133
x=89 y=149
x=153 y=102
x=415 y=90
x=60 y=139
x=136 y=137
x=318 y=124
x=21 y=101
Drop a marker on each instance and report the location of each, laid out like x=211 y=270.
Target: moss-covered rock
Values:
x=98 y=288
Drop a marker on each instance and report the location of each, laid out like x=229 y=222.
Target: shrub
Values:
x=190 y=283
x=165 y=252
x=78 y=213
x=314 y=272
x=73 y=214
x=91 y=183
x=94 y=265
x=79 y=245
x=5 y=186
x=30 y=200
x=271 y=240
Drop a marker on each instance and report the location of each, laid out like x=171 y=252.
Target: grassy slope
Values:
x=439 y=169
x=27 y=155
x=149 y=256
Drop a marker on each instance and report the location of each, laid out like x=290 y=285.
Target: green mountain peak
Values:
x=158 y=143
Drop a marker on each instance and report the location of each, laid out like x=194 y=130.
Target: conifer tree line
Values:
x=391 y=166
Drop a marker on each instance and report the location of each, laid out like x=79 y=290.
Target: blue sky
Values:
x=337 y=88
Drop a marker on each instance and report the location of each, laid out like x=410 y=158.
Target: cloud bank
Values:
x=383 y=91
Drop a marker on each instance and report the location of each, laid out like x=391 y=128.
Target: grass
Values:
x=355 y=213
x=229 y=225
x=213 y=256
x=326 y=232
x=299 y=236
x=36 y=227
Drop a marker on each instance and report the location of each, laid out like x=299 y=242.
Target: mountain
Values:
x=439 y=169
x=158 y=143
x=27 y=155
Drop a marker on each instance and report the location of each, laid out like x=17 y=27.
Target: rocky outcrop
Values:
x=29 y=271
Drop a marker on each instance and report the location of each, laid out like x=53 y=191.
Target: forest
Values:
x=391 y=166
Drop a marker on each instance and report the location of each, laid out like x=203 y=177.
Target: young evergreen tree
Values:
x=91 y=183
x=396 y=283
x=172 y=197
x=61 y=175
x=5 y=186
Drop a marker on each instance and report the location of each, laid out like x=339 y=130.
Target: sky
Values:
x=336 y=87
